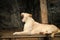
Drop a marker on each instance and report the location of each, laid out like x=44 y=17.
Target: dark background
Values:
x=10 y=11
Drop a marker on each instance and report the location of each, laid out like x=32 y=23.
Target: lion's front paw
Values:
x=15 y=33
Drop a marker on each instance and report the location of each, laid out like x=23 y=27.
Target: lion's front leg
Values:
x=21 y=33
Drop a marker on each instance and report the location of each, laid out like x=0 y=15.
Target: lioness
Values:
x=33 y=27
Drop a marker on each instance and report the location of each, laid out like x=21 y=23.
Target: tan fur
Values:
x=33 y=27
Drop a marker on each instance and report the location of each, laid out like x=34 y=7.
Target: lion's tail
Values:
x=58 y=31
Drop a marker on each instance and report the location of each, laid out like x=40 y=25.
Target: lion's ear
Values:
x=22 y=15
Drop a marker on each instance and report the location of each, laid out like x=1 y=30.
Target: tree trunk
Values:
x=43 y=6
